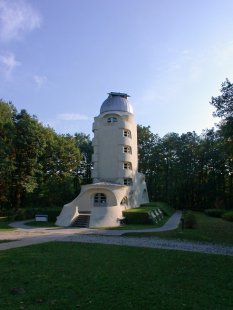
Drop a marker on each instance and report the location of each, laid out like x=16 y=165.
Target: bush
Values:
x=137 y=217
x=190 y=220
x=27 y=214
x=215 y=212
x=21 y=214
x=52 y=213
x=228 y=216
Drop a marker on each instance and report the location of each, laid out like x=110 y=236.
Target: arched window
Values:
x=127 y=133
x=100 y=200
x=112 y=119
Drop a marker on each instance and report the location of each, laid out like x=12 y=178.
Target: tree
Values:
x=7 y=154
x=224 y=102
x=148 y=158
x=84 y=144
x=28 y=146
x=59 y=162
x=224 y=109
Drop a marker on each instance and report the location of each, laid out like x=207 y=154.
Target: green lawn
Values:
x=68 y=276
x=209 y=229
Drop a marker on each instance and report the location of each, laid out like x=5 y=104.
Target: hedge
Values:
x=228 y=216
x=137 y=217
x=215 y=212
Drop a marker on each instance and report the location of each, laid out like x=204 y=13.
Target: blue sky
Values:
x=60 y=58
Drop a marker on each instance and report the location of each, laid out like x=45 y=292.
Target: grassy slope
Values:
x=88 y=276
x=209 y=229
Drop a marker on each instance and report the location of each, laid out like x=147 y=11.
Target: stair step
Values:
x=82 y=221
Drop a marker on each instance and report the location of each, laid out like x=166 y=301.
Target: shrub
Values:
x=27 y=214
x=22 y=214
x=190 y=220
x=215 y=212
x=137 y=217
x=228 y=216
x=52 y=213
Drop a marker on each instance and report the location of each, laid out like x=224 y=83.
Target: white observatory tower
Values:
x=115 y=142
x=117 y=184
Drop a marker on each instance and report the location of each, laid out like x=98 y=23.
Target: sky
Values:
x=60 y=58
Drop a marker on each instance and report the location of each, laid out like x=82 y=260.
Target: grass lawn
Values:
x=4 y=224
x=209 y=229
x=89 y=276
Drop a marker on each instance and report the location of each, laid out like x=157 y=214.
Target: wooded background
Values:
x=40 y=168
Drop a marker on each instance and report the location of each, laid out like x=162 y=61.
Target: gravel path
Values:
x=25 y=235
x=153 y=242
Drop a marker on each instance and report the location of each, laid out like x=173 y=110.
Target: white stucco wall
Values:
x=109 y=142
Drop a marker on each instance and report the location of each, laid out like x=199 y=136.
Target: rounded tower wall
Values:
x=115 y=157
x=115 y=146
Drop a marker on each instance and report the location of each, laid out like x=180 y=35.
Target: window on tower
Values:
x=128 y=181
x=127 y=149
x=111 y=119
x=124 y=201
x=127 y=165
x=100 y=200
x=127 y=133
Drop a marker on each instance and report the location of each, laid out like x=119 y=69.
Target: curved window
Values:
x=127 y=149
x=100 y=200
x=127 y=165
x=112 y=119
x=124 y=201
x=127 y=133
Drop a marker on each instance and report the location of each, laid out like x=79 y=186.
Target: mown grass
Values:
x=68 y=276
x=209 y=229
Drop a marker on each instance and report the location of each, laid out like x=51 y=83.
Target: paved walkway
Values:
x=25 y=235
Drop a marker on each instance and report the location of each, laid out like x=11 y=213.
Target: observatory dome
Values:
x=116 y=102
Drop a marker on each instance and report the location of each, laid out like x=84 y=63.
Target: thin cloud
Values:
x=72 y=117
x=40 y=80
x=8 y=63
x=17 y=18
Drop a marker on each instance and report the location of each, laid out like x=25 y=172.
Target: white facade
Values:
x=117 y=184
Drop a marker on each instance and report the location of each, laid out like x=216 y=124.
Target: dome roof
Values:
x=116 y=102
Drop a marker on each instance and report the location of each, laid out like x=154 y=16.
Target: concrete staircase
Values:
x=82 y=220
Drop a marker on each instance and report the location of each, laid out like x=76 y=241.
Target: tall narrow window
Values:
x=127 y=149
x=127 y=133
x=127 y=165
x=100 y=200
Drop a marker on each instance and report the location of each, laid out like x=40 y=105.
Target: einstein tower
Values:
x=117 y=184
